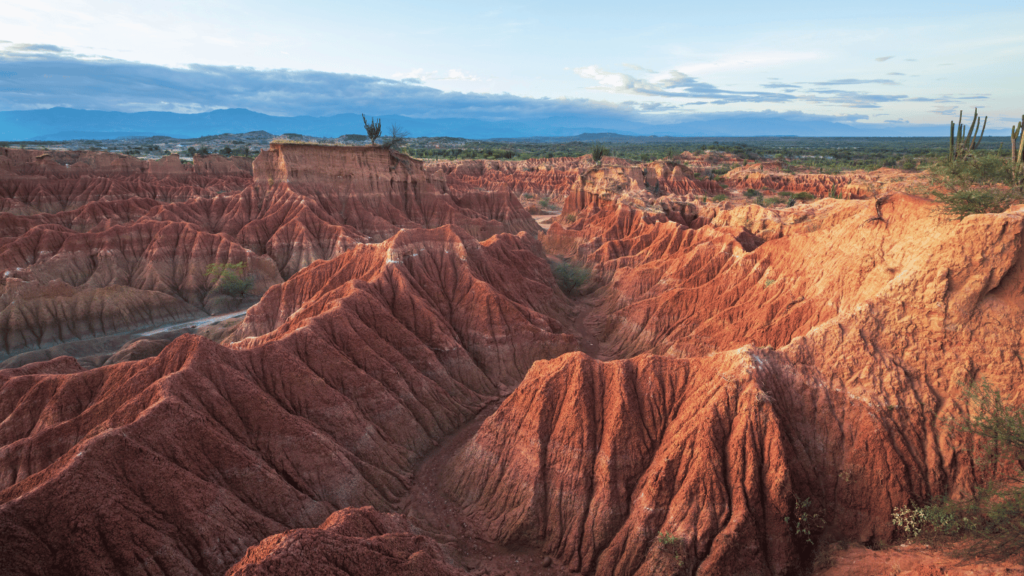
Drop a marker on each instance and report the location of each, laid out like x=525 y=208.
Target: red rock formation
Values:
x=595 y=460
x=854 y=184
x=555 y=178
x=153 y=228
x=351 y=541
x=878 y=311
x=536 y=177
x=184 y=460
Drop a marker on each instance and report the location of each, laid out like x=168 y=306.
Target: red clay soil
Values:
x=351 y=541
x=752 y=369
x=837 y=348
x=912 y=560
x=110 y=243
x=853 y=184
x=554 y=178
x=182 y=461
x=548 y=177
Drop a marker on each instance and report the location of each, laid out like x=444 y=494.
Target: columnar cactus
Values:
x=1017 y=150
x=964 y=143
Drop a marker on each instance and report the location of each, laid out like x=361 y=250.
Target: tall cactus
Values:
x=964 y=143
x=1017 y=151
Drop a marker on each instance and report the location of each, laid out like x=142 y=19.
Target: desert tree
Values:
x=395 y=138
x=372 y=129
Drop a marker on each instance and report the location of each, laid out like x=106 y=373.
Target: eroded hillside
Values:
x=410 y=394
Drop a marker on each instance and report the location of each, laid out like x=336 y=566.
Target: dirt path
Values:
x=909 y=560
x=192 y=324
x=544 y=220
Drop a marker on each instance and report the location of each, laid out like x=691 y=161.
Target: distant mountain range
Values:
x=56 y=124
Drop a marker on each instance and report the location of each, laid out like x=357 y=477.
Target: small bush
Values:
x=993 y=520
x=803 y=522
x=805 y=196
x=961 y=203
x=570 y=277
x=231 y=279
x=720 y=197
x=570 y=218
x=910 y=520
x=544 y=202
x=785 y=194
x=674 y=545
x=598 y=152
x=751 y=193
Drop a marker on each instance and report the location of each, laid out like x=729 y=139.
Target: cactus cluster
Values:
x=961 y=146
x=1017 y=143
x=1017 y=151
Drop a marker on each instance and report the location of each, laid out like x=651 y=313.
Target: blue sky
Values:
x=876 y=62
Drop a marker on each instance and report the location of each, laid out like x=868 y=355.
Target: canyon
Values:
x=409 y=387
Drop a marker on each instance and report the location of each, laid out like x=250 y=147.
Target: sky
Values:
x=877 y=62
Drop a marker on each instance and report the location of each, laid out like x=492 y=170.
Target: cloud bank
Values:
x=44 y=76
x=36 y=77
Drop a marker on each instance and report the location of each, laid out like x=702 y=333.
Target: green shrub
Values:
x=570 y=218
x=964 y=202
x=674 y=545
x=720 y=197
x=598 y=152
x=570 y=277
x=804 y=523
x=751 y=193
x=785 y=194
x=230 y=279
x=993 y=520
x=805 y=196
x=981 y=168
x=544 y=202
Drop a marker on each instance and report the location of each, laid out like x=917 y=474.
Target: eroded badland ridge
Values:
x=412 y=390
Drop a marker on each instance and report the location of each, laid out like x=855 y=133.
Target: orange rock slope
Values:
x=555 y=177
x=110 y=243
x=854 y=184
x=351 y=541
x=764 y=382
x=811 y=373
x=182 y=461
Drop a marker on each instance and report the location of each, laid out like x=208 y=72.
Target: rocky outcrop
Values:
x=596 y=460
x=184 y=460
x=537 y=177
x=373 y=190
x=149 y=230
x=556 y=178
x=828 y=357
x=357 y=541
x=850 y=185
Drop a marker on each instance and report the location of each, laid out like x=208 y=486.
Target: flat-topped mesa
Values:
x=378 y=191
x=311 y=163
